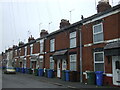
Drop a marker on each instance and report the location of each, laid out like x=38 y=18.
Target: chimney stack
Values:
x=21 y=43
x=30 y=38
x=43 y=33
x=14 y=46
x=64 y=23
x=103 y=5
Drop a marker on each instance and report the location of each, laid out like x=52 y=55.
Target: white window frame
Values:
x=72 y=37
x=16 y=52
x=52 y=45
x=51 y=63
x=73 y=61
x=41 y=46
x=31 y=49
x=20 y=51
x=26 y=51
x=97 y=62
x=24 y=63
x=7 y=55
x=98 y=33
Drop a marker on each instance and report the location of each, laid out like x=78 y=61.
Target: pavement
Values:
x=68 y=84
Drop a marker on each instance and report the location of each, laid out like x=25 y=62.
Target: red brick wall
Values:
x=47 y=61
x=108 y=64
x=87 y=36
x=110 y=29
x=36 y=47
x=47 y=43
x=62 y=40
x=111 y=25
x=22 y=52
x=27 y=62
x=88 y=61
x=28 y=50
x=107 y=80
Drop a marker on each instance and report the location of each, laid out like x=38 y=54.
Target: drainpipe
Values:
x=44 y=52
x=80 y=55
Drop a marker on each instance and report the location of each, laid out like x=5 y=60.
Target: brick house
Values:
x=2 y=60
x=92 y=44
x=98 y=32
x=31 y=54
x=62 y=49
x=8 y=60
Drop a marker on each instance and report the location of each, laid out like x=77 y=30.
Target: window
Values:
x=99 y=61
x=72 y=39
x=20 y=51
x=98 y=33
x=41 y=46
x=24 y=63
x=16 y=52
x=73 y=62
x=117 y=64
x=31 y=49
x=64 y=65
x=25 y=51
x=51 y=63
x=52 y=45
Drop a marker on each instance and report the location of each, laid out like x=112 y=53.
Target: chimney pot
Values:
x=64 y=23
x=30 y=38
x=103 y=5
x=43 y=33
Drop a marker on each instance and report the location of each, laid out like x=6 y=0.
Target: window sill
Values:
x=52 y=51
x=98 y=42
x=73 y=47
x=41 y=52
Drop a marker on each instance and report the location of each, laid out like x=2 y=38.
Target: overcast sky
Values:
x=21 y=18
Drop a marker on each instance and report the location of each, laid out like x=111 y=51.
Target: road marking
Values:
x=58 y=84
x=71 y=87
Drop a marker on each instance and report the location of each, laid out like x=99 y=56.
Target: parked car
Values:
x=10 y=70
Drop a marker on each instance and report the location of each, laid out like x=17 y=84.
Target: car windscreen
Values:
x=10 y=68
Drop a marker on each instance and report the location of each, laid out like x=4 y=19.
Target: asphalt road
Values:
x=25 y=81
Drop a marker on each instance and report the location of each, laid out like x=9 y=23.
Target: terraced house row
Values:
x=91 y=44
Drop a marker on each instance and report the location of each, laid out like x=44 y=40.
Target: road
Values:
x=25 y=81
x=21 y=80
